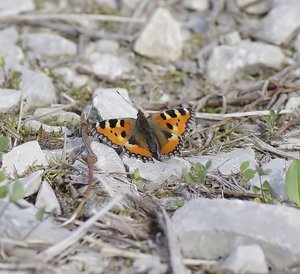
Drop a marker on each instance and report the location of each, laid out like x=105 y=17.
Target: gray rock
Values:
x=275 y=178
x=70 y=77
x=10 y=34
x=281 y=21
x=22 y=157
x=49 y=44
x=9 y=99
x=229 y=63
x=46 y=199
x=37 y=87
x=293 y=103
x=59 y=115
x=212 y=228
x=32 y=183
x=199 y=5
x=231 y=38
x=158 y=172
x=14 y=7
x=229 y=162
x=150 y=265
x=110 y=104
x=254 y=7
x=107 y=46
x=246 y=259
x=155 y=43
x=12 y=54
x=108 y=158
x=35 y=126
x=109 y=65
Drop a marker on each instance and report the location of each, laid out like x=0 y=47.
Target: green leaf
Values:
x=136 y=174
x=17 y=192
x=199 y=167
x=188 y=177
x=262 y=171
x=3 y=143
x=39 y=215
x=256 y=189
x=208 y=165
x=266 y=188
x=3 y=191
x=2 y=61
x=249 y=173
x=278 y=111
x=292 y=182
x=2 y=176
x=272 y=112
x=244 y=165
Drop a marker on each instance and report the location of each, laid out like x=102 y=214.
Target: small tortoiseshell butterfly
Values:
x=157 y=136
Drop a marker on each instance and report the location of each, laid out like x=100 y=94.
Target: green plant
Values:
x=197 y=174
x=136 y=176
x=271 y=120
x=249 y=173
x=292 y=182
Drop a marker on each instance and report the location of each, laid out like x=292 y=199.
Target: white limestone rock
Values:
x=246 y=259
x=254 y=7
x=110 y=103
x=46 y=199
x=229 y=63
x=12 y=53
x=70 y=77
x=49 y=44
x=107 y=46
x=10 y=34
x=35 y=126
x=198 y=5
x=14 y=7
x=22 y=157
x=60 y=116
x=161 y=37
x=32 y=183
x=9 y=99
x=209 y=229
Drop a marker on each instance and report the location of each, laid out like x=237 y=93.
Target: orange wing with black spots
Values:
x=176 y=121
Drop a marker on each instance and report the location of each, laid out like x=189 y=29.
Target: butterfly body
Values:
x=158 y=136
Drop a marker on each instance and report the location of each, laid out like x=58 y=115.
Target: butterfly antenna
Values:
x=137 y=109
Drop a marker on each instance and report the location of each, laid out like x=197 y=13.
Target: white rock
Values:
x=9 y=99
x=49 y=44
x=13 y=7
x=60 y=116
x=246 y=259
x=229 y=162
x=70 y=77
x=228 y=63
x=110 y=104
x=158 y=172
x=161 y=37
x=293 y=102
x=107 y=46
x=281 y=21
x=255 y=7
x=108 y=158
x=110 y=65
x=231 y=38
x=46 y=199
x=23 y=156
x=199 y=5
x=10 y=34
x=275 y=178
x=32 y=183
x=12 y=54
x=109 y=3
x=209 y=229
x=35 y=126
x=37 y=87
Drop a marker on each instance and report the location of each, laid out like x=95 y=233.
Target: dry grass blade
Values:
x=78 y=233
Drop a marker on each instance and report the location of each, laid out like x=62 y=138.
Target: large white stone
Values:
x=9 y=99
x=113 y=103
x=22 y=157
x=281 y=21
x=228 y=63
x=70 y=77
x=12 y=54
x=46 y=199
x=60 y=116
x=35 y=126
x=199 y=5
x=161 y=37
x=32 y=183
x=49 y=44
x=13 y=7
x=209 y=229
x=254 y=7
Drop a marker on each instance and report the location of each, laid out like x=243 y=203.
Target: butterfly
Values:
x=158 y=136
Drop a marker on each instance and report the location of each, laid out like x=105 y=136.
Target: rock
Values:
x=231 y=38
x=60 y=116
x=156 y=173
x=71 y=78
x=46 y=199
x=246 y=259
x=151 y=265
x=32 y=182
x=108 y=158
x=12 y=54
x=293 y=102
x=37 y=87
x=155 y=43
x=49 y=44
x=9 y=34
x=9 y=99
x=281 y=22
x=210 y=229
x=113 y=103
x=35 y=126
x=254 y=7
x=199 y=5
x=229 y=63
x=14 y=7
x=229 y=162
x=23 y=156
x=107 y=46
x=108 y=3
x=109 y=65
x=275 y=178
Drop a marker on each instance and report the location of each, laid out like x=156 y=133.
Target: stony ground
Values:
x=72 y=204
